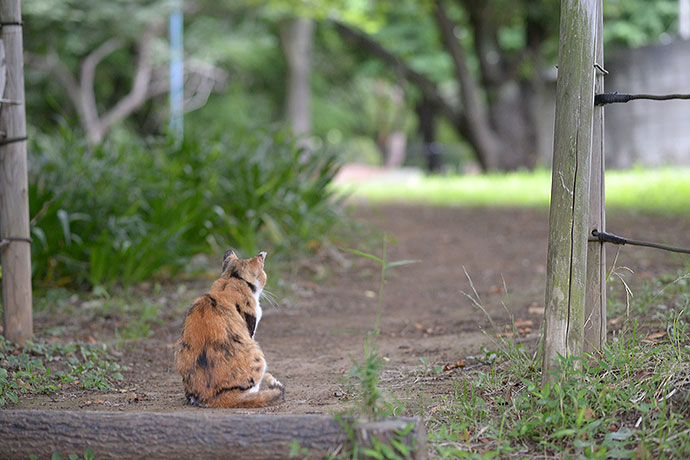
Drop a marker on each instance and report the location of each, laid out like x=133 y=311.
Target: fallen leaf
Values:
x=589 y=414
x=455 y=365
x=613 y=428
x=656 y=335
x=370 y=294
x=525 y=330
x=534 y=309
x=466 y=435
x=524 y=322
x=436 y=409
x=642 y=373
x=90 y=402
x=418 y=326
x=616 y=320
x=494 y=289
x=134 y=397
x=505 y=334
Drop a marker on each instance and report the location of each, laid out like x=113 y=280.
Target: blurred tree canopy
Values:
x=461 y=73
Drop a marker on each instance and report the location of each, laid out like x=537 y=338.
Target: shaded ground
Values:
x=309 y=340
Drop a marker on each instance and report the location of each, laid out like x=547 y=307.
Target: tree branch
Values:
x=491 y=60
x=52 y=65
x=86 y=83
x=425 y=85
x=139 y=92
x=479 y=131
x=200 y=80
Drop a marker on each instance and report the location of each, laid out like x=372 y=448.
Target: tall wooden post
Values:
x=564 y=315
x=14 y=193
x=595 y=304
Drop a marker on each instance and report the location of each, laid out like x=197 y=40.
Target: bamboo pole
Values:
x=14 y=194
x=568 y=217
x=595 y=304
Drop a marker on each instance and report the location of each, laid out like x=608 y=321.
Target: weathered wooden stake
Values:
x=199 y=434
x=564 y=315
x=14 y=195
x=595 y=304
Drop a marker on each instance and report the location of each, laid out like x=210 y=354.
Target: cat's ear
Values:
x=262 y=256
x=227 y=257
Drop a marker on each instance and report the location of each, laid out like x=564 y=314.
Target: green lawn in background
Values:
x=651 y=190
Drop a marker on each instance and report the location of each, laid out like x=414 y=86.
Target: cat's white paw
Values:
x=276 y=384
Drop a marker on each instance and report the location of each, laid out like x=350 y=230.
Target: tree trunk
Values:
x=427 y=128
x=296 y=36
x=513 y=119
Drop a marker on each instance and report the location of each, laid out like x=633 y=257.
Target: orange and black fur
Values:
x=220 y=363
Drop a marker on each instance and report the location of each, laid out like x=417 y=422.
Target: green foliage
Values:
x=128 y=210
x=639 y=22
x=35 y=368
x=372 y=401
x=88 y=455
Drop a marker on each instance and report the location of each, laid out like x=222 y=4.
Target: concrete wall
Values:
x=647 y=133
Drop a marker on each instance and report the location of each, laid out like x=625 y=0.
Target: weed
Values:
x=373 y=404
x=88 y=455
x=367 y=372
x=628 y=401
x=35 y=368
x=296 y=450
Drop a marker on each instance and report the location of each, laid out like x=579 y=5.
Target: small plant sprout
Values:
x=385 y=266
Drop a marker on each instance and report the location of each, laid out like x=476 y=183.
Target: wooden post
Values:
x=193 y=434
x=564 y=314
x=14 y=193
x=595 y=304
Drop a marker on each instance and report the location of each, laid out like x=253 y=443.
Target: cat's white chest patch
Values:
x=259 y=311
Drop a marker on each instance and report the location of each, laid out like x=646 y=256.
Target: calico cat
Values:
x=220 y=363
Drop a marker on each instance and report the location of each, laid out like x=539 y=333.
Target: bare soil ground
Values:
x=311 y=338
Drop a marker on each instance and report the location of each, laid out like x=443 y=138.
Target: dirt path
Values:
x=310 y=343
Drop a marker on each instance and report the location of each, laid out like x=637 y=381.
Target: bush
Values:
x=129 y=210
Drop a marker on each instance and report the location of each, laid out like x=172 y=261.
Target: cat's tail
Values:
x=238 y=398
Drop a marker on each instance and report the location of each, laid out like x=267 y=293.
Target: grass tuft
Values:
x=632 y=400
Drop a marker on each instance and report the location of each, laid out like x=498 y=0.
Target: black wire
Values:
x=606 y=237
x=616 y=98
x=11 y=23
x=12 y=139
x=6 y=241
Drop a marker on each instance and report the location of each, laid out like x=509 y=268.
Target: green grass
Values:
x=35 y=368
x=630 y=401
x=656 y=190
